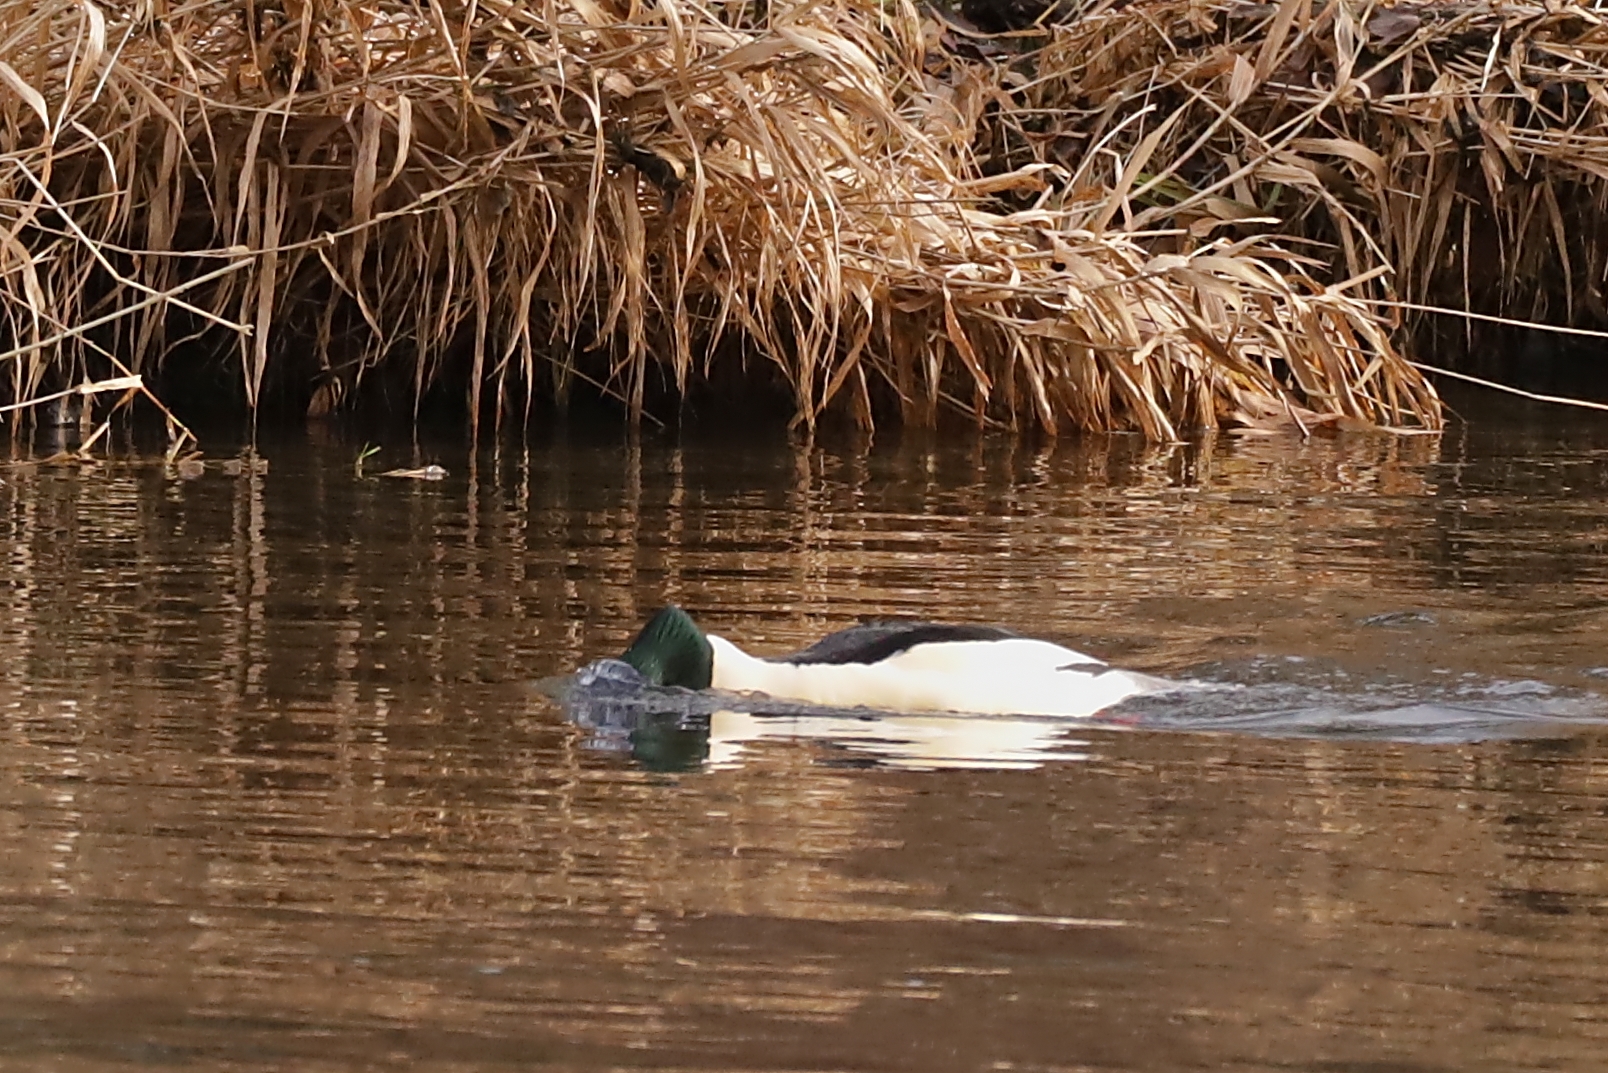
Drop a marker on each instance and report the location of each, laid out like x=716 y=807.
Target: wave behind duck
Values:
x=675 y=728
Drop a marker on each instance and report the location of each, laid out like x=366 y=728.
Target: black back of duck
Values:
x=873 y=642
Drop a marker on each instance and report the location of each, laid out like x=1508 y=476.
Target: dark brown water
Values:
x=275 y=792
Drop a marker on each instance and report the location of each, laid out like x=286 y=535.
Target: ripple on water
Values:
x=275 y=793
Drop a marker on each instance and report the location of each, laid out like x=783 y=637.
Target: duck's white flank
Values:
x=1015 y=676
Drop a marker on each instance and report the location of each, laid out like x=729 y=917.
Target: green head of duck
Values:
x=672 y=651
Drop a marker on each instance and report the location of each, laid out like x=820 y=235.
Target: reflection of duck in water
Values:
x=918 y=742
x=900 y=666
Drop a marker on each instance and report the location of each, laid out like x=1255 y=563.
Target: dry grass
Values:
x=1458 y=144
x=891 y=213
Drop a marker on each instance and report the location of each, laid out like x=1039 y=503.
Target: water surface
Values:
x=277 y=793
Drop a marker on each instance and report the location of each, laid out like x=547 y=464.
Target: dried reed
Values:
x=1457 y=144
x=886 y=208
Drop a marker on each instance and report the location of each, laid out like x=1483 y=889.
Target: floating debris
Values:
x=423 y=473
x=1400 y=619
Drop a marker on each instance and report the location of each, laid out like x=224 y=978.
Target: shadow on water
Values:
x=276 y=793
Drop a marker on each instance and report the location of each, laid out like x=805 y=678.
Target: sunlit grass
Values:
x=624 y=194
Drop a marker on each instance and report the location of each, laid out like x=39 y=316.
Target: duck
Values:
x=893 y=666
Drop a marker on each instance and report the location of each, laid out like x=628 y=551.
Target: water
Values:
x=277 y=792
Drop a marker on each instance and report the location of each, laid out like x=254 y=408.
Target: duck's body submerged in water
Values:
x=904 y=667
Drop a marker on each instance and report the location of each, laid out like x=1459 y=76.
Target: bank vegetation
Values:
x=1159 y=215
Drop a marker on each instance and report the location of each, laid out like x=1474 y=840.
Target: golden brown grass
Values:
x=886 y=209
x=1459 y=144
